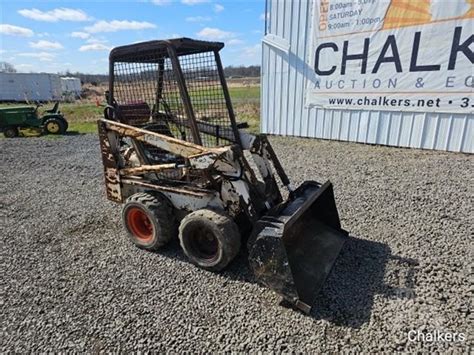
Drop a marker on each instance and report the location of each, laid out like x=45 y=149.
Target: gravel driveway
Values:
x=72 y=281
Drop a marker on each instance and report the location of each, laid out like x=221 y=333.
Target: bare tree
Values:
x=7 y=68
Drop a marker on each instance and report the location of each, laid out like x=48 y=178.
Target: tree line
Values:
x=95 y=79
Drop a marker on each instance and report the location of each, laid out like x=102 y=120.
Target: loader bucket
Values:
x=294 y=246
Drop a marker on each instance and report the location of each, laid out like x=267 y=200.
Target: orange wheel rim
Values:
x=139 y=224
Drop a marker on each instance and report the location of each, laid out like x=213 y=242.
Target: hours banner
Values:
x=401 y=55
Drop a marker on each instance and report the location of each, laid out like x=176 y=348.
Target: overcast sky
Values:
x=54 y=36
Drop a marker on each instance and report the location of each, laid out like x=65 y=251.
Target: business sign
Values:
x=401 y=55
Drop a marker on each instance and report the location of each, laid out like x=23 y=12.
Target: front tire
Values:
x=149 y=220
x=210 y=239
x=10 y=132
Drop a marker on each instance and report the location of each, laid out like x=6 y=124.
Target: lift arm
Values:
x=199 y=157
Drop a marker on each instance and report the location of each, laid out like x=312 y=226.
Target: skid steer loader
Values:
x=181 y=165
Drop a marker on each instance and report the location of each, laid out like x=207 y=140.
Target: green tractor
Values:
x=12 y=119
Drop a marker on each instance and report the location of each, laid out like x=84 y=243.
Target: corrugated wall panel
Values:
x=468 y=141
x=284 y=84
x=264 y=98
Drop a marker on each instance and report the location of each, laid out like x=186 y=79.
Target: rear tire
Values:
x=149 y=220
x=10 y=132
x=210 y=239
x=66 y=124
x=54 y=125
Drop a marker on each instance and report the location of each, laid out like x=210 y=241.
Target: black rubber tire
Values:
x=66 y=124
x=11 y=132
x=216 y=225
x=60 y=122
x=159 y=211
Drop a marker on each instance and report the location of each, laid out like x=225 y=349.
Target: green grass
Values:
x=81 y=112
x=83 y=127
x=82 y=116
x=245 y=93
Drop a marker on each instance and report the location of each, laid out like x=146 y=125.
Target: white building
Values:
x=370 y=72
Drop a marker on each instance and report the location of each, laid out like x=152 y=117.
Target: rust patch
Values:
x=196 y=192
x=111 y=168
x=147 y=169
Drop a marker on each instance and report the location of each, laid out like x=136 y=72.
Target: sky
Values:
x=58 y=36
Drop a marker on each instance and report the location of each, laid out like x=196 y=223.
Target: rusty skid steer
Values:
x=175 y=157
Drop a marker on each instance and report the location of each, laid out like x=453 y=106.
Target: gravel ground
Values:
x=72 y=281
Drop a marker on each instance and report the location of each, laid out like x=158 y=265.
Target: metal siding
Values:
x=264 y=99
x=284 y=83
x=288 y=120
x=468 y=135
x=363 y=126
x=300 y=80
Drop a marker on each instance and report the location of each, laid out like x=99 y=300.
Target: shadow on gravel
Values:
x=73 y=133
x=347 y=297
x=238 y=270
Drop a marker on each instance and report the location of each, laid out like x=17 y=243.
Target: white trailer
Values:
x=30 y=87
x=71 y=87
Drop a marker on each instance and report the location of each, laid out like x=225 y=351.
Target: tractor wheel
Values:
x=66 y=124
x=10 y=132
x=209 y=238
x=54 y=125
x=149 y=220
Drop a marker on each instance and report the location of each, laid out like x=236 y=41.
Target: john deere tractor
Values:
x=12 y=119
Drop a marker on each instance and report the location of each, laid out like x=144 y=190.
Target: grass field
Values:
x=82 y=115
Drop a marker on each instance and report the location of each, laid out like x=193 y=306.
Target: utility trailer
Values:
x=29 y=87
x=175 y=157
